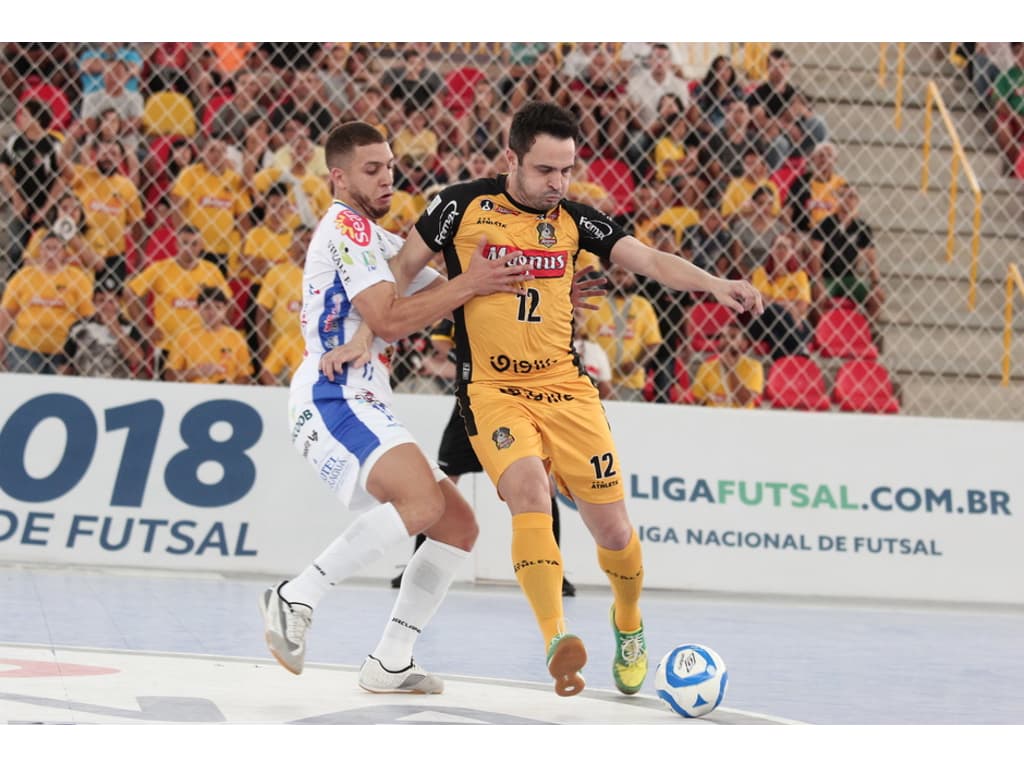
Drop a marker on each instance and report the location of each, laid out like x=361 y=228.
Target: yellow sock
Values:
x=625 y=571
x=538 y=565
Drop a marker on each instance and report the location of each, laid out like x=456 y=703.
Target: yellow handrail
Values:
x=901 y=51
x=1013 y=280
x=934 y=98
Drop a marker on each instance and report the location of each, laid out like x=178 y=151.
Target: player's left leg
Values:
x=583 y=451
x=621 y=558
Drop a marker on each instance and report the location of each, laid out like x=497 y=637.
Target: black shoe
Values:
x=568 y=590
x=396 y=582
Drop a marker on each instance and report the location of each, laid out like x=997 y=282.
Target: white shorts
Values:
x=342 y=438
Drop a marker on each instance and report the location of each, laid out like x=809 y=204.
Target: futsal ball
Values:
x=691 y=679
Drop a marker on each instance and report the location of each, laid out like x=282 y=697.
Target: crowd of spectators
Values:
x=156 y=199
x=996 y=73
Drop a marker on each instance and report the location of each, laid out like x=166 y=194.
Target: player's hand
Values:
x=740 y=296
x=504 y=274
x=333 y=361
x=587 y=283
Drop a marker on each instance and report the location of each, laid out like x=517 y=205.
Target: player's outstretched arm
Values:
x=392 y=317
x=678 y=273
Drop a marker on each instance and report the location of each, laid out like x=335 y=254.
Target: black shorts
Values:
x=456 y=456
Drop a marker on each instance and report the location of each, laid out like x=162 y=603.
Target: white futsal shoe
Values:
x=373 y=677
x=286 y=625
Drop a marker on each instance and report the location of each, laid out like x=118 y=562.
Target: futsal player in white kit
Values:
x=342 y=423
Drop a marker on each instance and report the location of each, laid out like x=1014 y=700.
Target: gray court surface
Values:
x=189 y=648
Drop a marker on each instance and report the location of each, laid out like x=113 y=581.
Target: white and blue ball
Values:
x=691 y=679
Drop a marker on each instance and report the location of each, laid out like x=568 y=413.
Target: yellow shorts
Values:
x=563 y=424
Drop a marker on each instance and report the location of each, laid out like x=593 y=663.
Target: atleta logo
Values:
x=502 y=437
x=524 y=563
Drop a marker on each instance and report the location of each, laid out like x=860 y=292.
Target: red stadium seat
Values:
x=703 y=322
x=459 y=85
x=796 y=382
x=679 y=391
x=615 y=176
x=844 y=333
x=864 y=386
x=786 y=174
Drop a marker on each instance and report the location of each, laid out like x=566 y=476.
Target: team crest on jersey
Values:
x=353 y=226
x=502 y=438
x=546 y=234
x=486 y=205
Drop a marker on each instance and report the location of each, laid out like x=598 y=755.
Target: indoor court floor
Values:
x=81 y=645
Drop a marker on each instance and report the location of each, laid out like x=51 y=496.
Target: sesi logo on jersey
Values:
x=540 y=263
x=353 y=226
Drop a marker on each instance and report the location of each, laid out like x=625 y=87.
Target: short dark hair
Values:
x=40 y=111
x=210 y=293
x=280 y=189
x=777 y=53
x=343 y=140
x=536 y=117
x=187 y=229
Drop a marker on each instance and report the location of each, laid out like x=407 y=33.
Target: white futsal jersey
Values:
x=342 y=427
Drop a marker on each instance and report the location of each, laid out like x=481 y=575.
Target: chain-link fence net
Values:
x=157 y=198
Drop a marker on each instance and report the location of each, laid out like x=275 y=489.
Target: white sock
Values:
x=365 y=540
x=425 y=582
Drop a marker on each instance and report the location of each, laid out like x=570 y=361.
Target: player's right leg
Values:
x=344 y=441
x=505 y=439
x=537 y=561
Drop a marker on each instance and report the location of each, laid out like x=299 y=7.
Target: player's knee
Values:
x=422 y=511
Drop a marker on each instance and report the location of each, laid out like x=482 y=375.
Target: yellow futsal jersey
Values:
x=111 y=204
x=506 y=339
x=212 y=204
x=265 y=243
x=47 y=305
x=281 y=295
x=286 y=354
x=175 y=290
x=317 y=192
x=224 y=346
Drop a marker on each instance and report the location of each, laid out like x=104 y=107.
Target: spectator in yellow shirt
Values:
x=211 y=197
x=267 y=244
x=113 y=206
x=738 y=194
x=40 y=304
x=730 y=379
x=308 y=193
x=215 y=353
x=172 y=287
x=67 y=219
x=626 y=327
x=277 y=311
x=786 y=288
